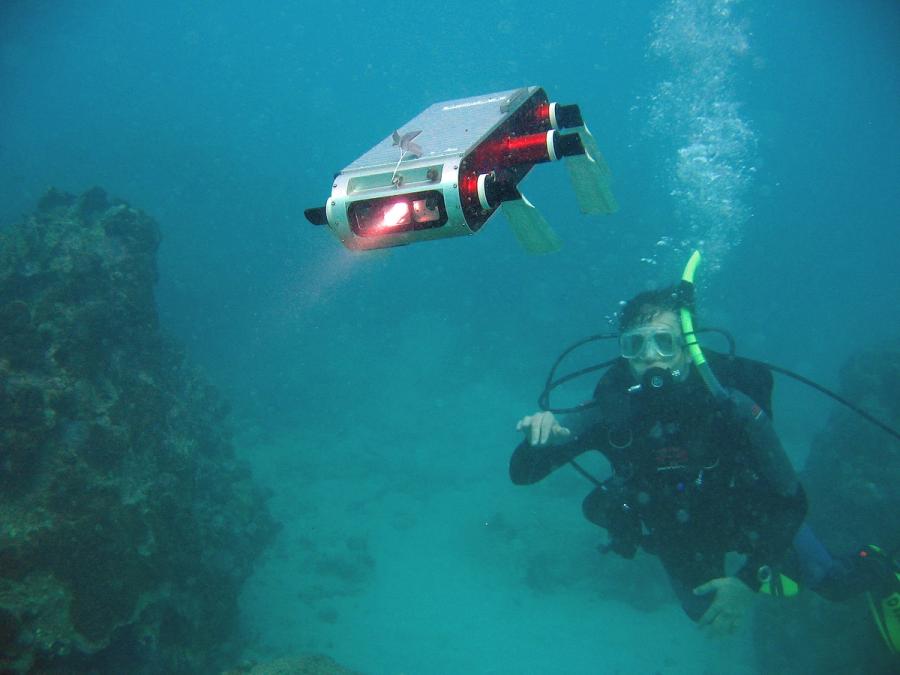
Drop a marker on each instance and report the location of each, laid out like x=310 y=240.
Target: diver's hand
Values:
x=541 y=428
x=733 y=599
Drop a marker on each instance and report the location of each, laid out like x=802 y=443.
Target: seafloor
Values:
x=138 y=536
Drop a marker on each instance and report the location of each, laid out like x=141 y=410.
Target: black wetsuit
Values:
x=693 y=478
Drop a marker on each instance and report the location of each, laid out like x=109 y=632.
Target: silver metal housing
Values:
x=448 y=132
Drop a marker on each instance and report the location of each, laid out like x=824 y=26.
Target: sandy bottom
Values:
x=392 y=565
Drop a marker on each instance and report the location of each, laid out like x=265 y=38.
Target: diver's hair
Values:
x=644 y=306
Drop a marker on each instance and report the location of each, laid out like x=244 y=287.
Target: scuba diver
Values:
x=698 y=471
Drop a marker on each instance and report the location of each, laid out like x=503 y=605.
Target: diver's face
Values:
x=658 y=343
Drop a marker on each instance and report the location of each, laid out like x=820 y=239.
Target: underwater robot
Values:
x=450 y=168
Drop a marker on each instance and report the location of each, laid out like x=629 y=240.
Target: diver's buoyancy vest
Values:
x=682 y=459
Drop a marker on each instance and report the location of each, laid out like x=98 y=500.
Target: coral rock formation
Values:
x=851 y=479
x=127 y=526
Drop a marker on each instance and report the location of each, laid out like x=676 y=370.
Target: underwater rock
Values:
x=851 y=480
x=852 y=469
x=127 y=526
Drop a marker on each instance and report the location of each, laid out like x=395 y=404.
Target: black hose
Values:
x=837 y=397
x=584 y=472
x=551 y=383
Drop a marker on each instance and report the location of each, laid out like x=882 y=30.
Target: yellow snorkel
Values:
x=687 y=327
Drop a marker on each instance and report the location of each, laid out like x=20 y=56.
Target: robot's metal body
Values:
x=447 y=171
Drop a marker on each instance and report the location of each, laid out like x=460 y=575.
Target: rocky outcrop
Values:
x=127 y=526
x=851 y=477
x=853 y=467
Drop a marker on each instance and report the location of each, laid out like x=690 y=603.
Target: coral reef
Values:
x=127 y=526
x=851 y=478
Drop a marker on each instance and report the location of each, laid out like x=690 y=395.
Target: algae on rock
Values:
x=127 y=526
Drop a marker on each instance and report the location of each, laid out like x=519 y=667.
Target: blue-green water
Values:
x=377 y=395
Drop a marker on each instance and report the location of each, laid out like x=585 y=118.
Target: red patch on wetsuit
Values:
x=671 y=457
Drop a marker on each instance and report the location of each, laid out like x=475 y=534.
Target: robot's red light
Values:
x=396 y=214
x=531 y=148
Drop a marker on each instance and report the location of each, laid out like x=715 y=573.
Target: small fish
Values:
x=405 y=142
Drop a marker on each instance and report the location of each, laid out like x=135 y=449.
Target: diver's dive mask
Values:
x=665 y=342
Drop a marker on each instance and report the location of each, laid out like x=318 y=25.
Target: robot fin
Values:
x=590 y=177
x=530 y=227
